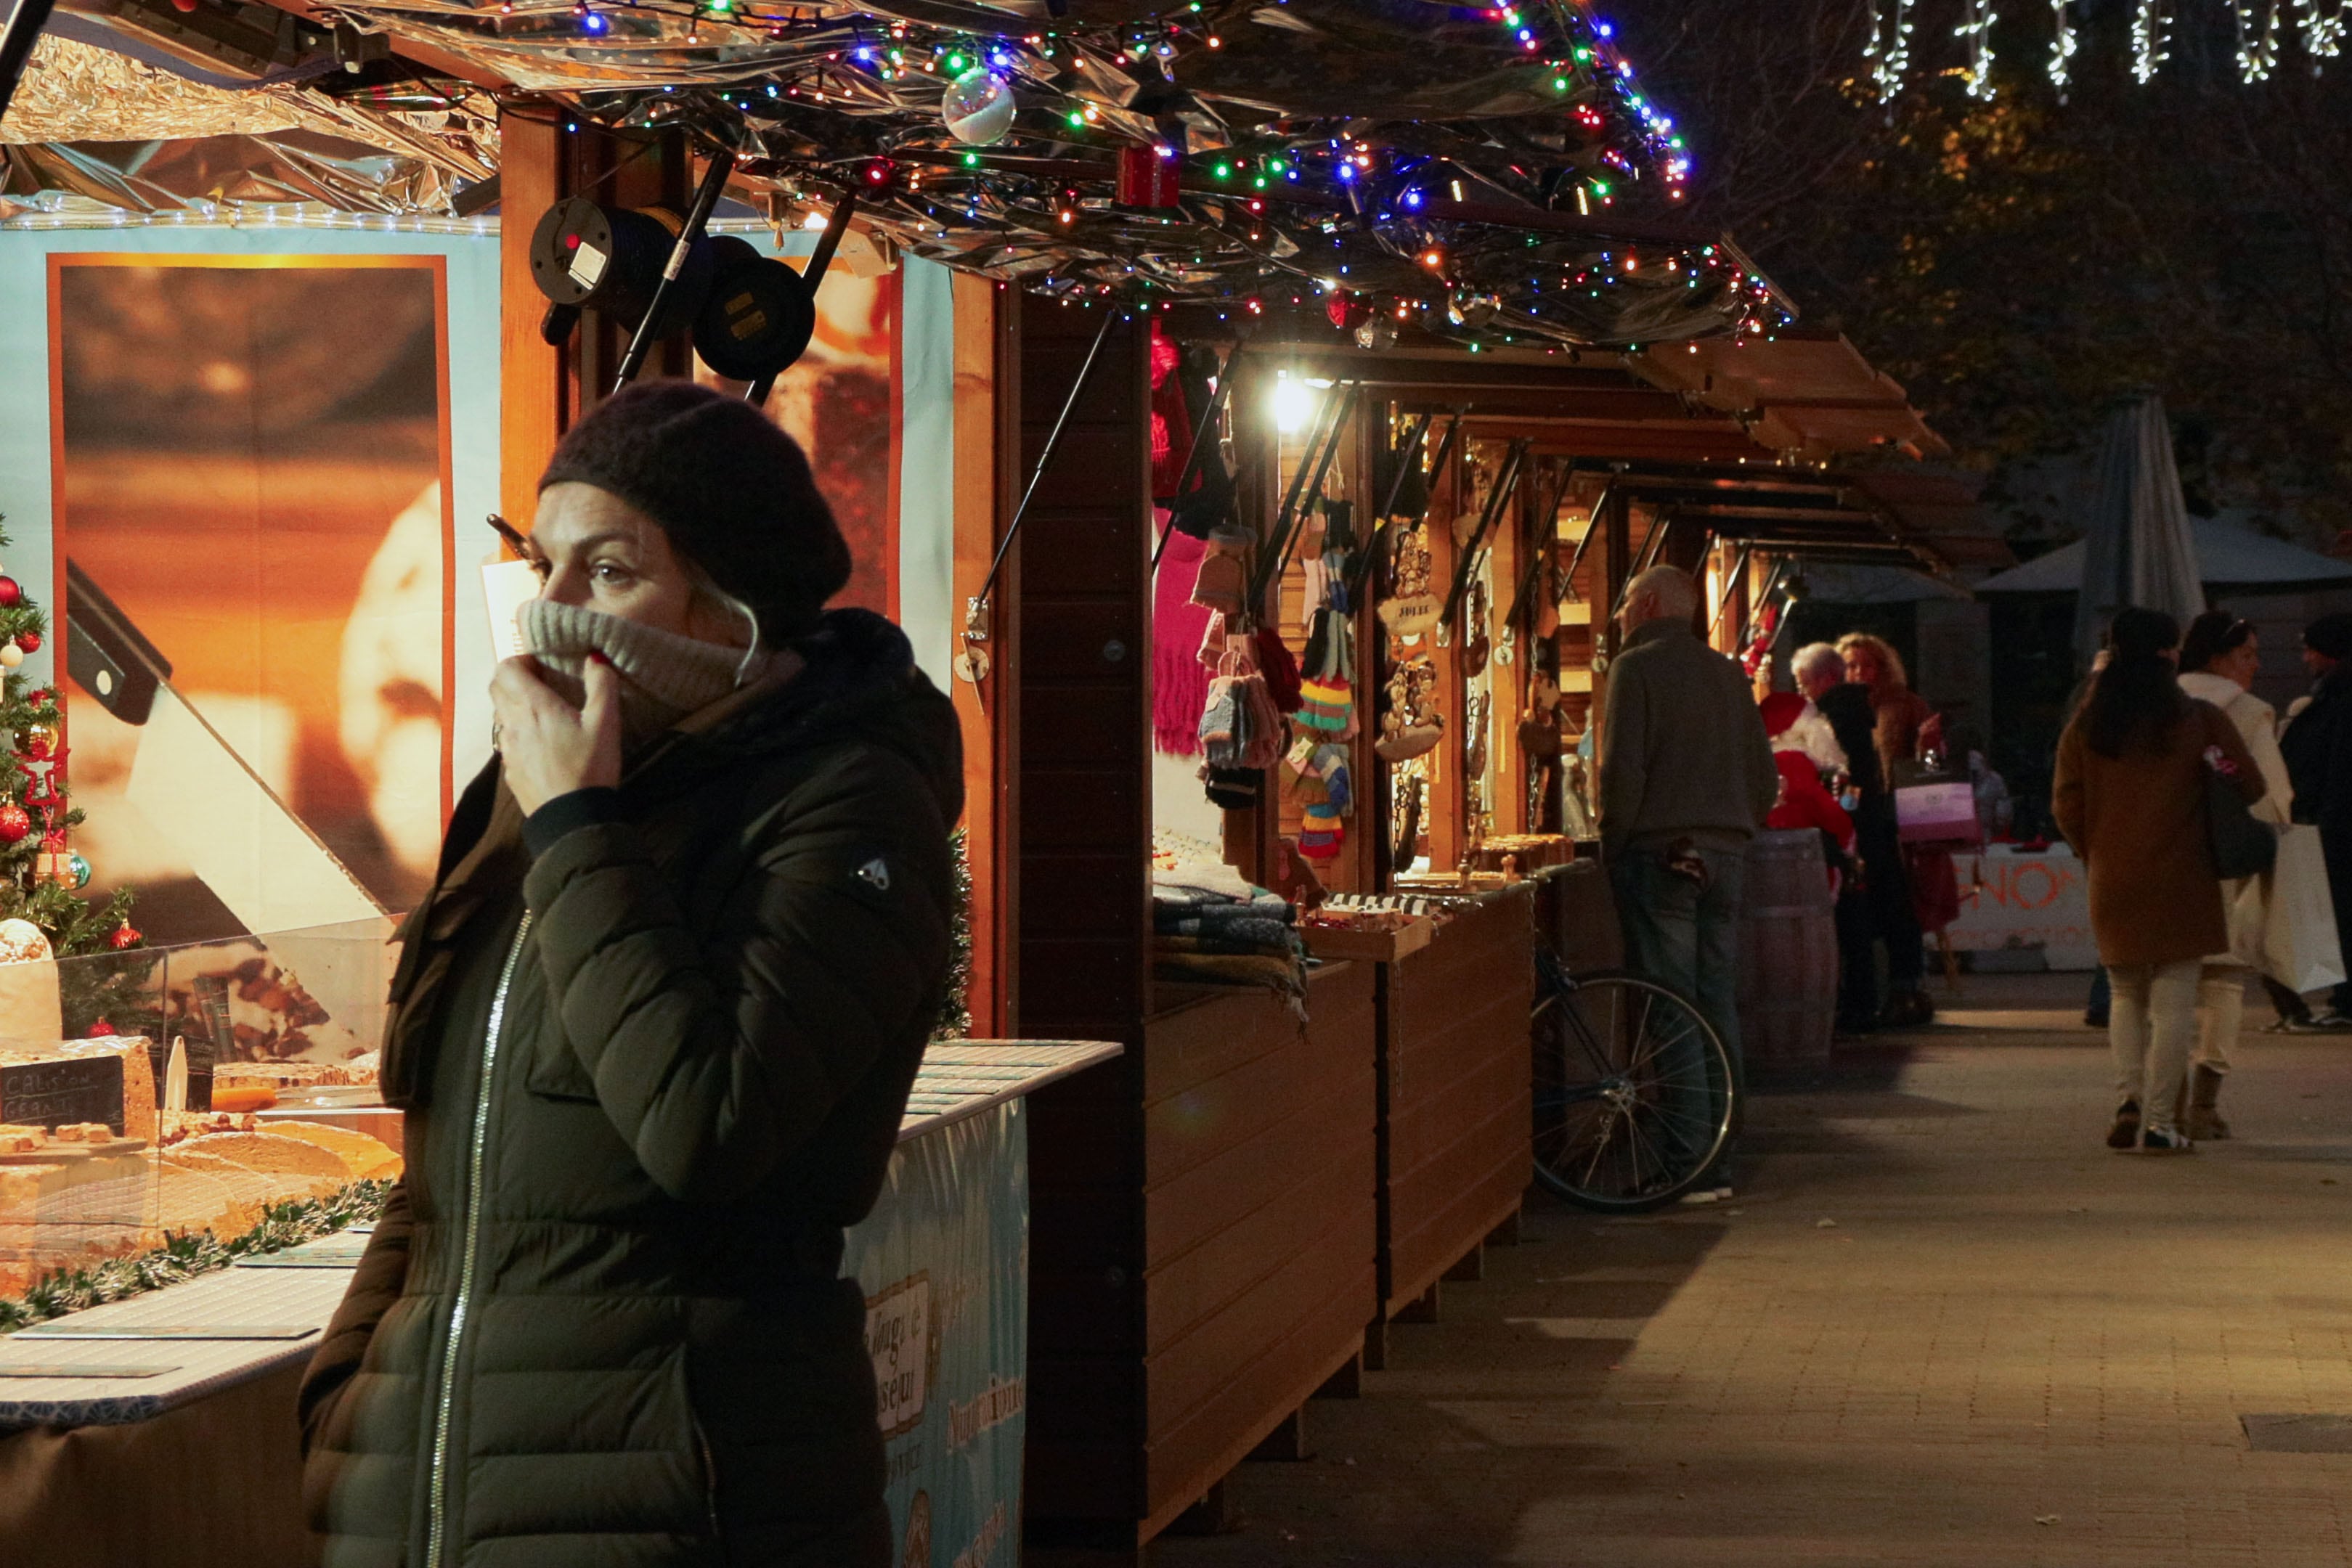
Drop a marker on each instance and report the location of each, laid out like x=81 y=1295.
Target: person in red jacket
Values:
x=1804 y=801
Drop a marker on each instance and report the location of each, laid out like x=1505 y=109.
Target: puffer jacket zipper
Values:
x=710 y=1485
x=436 y=1534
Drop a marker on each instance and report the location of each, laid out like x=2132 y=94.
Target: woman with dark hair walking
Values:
x=2131 y=798
x=2219 y=657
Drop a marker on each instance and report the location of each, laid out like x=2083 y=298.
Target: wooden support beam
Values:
x=534 y=380
x=1288 y=1442
x=987 y=383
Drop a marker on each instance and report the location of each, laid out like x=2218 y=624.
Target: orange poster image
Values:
x=254 y=541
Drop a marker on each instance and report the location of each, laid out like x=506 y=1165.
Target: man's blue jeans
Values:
x=1687 y=937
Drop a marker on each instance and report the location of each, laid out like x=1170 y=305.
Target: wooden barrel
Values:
x=1787 y=952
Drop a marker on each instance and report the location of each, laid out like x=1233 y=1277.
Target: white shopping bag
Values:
x=1938 y=814
x=2285 y=922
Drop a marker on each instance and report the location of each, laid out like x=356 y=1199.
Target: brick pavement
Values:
x=1942 y=1325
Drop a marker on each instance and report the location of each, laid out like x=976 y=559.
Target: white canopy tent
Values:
x=2228 y=557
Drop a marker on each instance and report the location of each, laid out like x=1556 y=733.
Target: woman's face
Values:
x=1861 y=665
x=594 y=549
x=2241 y=664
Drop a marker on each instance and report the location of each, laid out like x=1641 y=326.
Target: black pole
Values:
x=1543 y=550
x=1045 y=459
x=1591 y=527
x=1306 y=481
x=820 y=260
x=1506 y=484
x=698 y=217
x=1373 y=544
x=17 y=40
x=1202 y=436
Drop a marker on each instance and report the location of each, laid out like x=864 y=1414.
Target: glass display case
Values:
x=172 y=1090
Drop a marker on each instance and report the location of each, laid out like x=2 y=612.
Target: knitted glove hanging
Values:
x=1225 y=577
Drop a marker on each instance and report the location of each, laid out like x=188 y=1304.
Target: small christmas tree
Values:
x=41 y=876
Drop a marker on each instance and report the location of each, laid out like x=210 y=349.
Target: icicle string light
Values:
x=2322 y=30
x=1890 y=47
x=2151 y=35
x=1976 y=31
x=2063 y=45
x=2258 y=48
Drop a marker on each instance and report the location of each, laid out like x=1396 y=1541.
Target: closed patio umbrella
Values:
x=2138 y=549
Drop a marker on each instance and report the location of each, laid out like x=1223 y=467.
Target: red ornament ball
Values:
x=125 y=936
x=14 y=823
x=183 y=5
x=12 y=592
x=100 y=1028
x=29 y=641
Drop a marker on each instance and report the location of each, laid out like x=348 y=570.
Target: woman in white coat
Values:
x=2218 y=658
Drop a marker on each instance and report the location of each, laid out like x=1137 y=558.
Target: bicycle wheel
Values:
x=1633 y=1096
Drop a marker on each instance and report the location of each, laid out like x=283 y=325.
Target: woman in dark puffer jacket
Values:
x=654 y=1027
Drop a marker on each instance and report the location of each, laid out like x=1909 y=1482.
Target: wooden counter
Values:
x=1254 y=1184
x=1454 y=1072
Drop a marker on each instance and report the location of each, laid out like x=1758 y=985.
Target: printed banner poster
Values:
x=944 y=1261
x=253 y=544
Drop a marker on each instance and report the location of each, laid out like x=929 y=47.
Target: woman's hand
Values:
x=547 y=747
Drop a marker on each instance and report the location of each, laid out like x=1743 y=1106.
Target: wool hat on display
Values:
x=732 y=492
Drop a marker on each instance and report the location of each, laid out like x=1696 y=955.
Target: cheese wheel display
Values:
x=73 y=1212
x=30 y=1011
x=268 y=1154
x=366 y=1158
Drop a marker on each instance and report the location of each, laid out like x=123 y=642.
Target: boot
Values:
x=2203 y=1120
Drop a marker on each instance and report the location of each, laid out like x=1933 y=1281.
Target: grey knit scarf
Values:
x=664 y=677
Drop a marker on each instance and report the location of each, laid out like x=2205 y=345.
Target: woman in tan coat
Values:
x=2131 y=798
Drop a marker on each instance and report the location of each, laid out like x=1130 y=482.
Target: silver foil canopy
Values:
x=1365 y=156
x=92 y=124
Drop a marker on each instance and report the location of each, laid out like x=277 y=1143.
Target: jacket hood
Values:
x=2219 y=690
x=860 y=682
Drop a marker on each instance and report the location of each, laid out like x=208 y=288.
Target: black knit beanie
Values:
x=2330 y=636
x=731 y=491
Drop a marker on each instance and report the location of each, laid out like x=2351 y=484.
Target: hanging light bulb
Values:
x=1294 y=403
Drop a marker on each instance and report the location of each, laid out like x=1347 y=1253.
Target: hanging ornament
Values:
x=11 y=655
x=124 y=935
x=29 y=641
x=1464 y=308
x=14 y=823
x=39 y=739
x=978 y=107
x=12 y=592
x=1379 y=331
x=78 y=867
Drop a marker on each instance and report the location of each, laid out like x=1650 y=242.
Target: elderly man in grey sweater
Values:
x=1686 y=777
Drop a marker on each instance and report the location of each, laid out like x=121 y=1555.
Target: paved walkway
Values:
x=1942 y=1325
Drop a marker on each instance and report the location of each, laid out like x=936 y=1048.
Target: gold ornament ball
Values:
x=11 y=655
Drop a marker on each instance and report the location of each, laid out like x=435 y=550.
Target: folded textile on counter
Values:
x=1284 y=977
x=1253 y=933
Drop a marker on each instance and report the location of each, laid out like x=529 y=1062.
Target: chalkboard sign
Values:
x=53 y=1093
